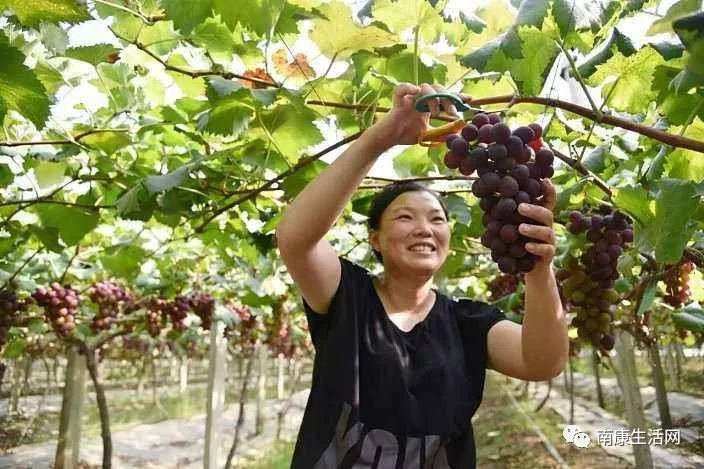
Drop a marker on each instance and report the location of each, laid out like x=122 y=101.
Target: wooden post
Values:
x=216 y=395
x=660 y=389
x=628 y=380
x=261 y=391
x=16 y=388
x=69 y=438
x=597 y=378
x=183 y=376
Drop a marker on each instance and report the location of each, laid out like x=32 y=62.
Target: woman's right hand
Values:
x=402 y=125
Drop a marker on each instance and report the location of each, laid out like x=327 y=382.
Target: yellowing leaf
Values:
x=340 y=35
x=297 y=69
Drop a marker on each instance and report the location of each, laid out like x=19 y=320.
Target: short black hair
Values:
x=383 y=199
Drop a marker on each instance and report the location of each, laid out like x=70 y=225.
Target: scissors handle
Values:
x=422 y=105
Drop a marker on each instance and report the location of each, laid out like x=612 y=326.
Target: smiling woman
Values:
x=399 y=367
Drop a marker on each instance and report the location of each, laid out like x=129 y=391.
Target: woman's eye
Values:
x=405 y=216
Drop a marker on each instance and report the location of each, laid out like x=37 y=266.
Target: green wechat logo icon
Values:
x=573 y=434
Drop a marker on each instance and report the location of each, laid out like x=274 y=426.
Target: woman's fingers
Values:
x=540 y=233
x=545 y=251
x=540 y=214
x=402 y=90
x=445 y=103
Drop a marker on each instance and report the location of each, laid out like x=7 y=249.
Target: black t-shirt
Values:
x=382 y=398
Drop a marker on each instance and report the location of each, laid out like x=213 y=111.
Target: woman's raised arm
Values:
x=310 y=259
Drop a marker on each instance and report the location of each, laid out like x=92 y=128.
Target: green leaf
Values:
x=228 y=118
x=295 y=183
x=688 y=164
x=14 y=348
x=32 y=12
x=94 y=54
x=49 y=237
x=168 y=181
x=399 y=15
x=73 y=223
x=616 y=41
x=672 y=226
x=648 y=298
x=339 y=34
x=123 y=260
x=677 y=10
x=635 y=201
x=691 y=319
x=107 y=142
x=292 y=127
x=595 y=159
x=538 y=51
x=136 y=203
x=457 y=206
x=19 y=87
x=413 y=161
x=633 y=90
x=49 y=173
x=187 y=15
x=6 y=175
x=213 y=35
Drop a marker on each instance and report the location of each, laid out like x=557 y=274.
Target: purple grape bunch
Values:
x=510 y=165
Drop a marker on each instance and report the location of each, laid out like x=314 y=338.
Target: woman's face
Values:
x=412 y=220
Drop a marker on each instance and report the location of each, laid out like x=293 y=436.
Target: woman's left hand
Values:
x=541 y=232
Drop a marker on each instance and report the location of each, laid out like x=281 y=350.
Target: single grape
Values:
x=470 y=132
x=508 y=233
x=537 y=130
x=544 y=157
x=506 y=164
x=494 y=118
x=494 y=227
x=490 y=181
x=497 y=151
x=480 y=119
x=520 y=173
x=480 y=156
x=485 y=133
x=501 y=133
x=487 y=203
x=526 y=154
x=467 y=166
x=525 y=133
x=505 y=207
x=508 y=187
x=507 y=265
x=514 y=145
x=526 y=263
x=522 y=197
x=459 y=146
x=517 y=249
x=498 y=247
x=449 y=139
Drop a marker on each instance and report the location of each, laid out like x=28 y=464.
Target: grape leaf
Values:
x=48 y=173
x=94 y=54
x=213 y=35
x=187 y=15
x=123 y=260
x=32 y=12
x=20 y=89
x=73 y=223
x=107 y=142
x=339 y=35
x=616 y=41
x=634 y=86
x=402 y=14
x=690 y=318
x=677 y=10
x=671 y=228
x=688 y=164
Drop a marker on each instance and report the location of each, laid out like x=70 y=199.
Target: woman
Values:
x=399 y=367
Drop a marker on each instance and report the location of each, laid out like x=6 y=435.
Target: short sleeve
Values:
x=342 y=305
x=474 y=319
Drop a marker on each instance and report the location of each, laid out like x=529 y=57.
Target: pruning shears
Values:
x=435 y=136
